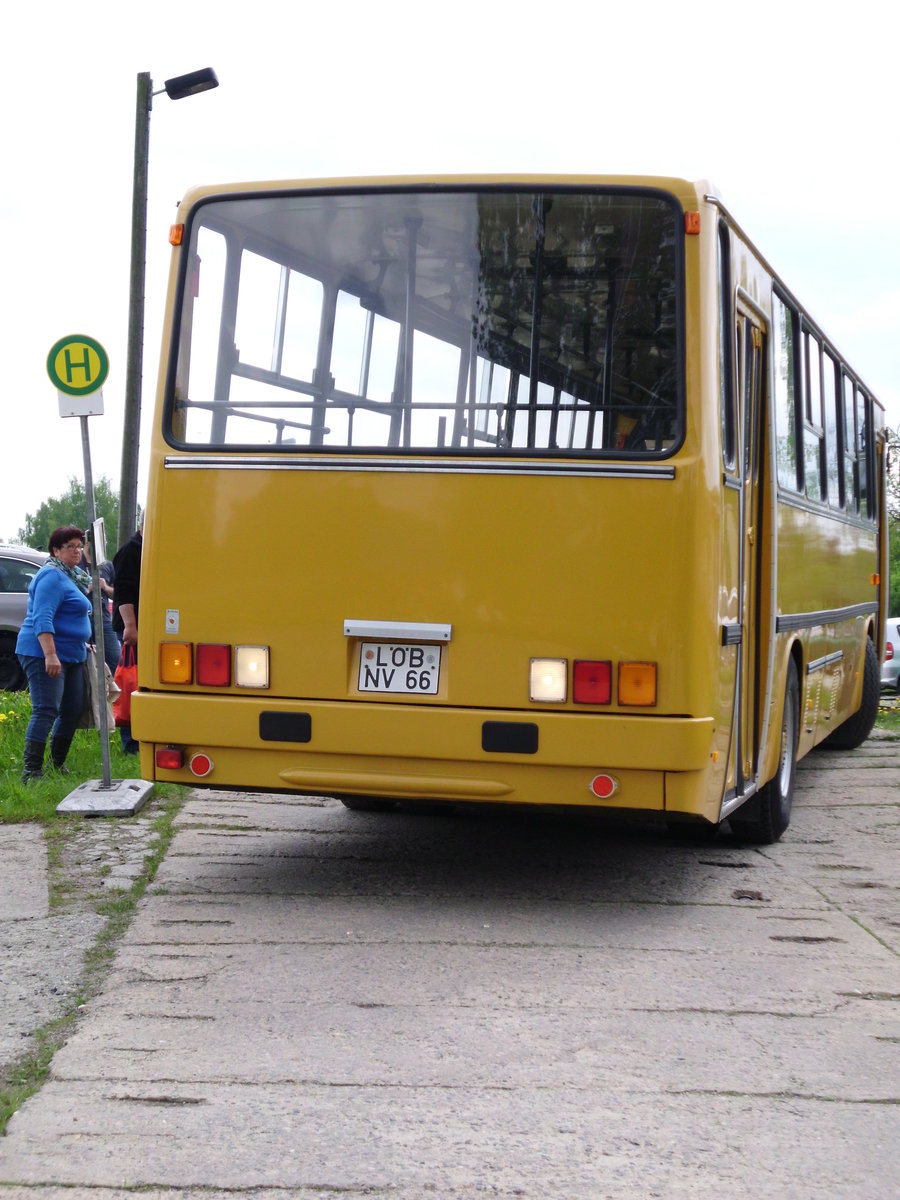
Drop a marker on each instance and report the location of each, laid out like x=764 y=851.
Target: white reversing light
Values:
x=548 y=680
x=251 y=666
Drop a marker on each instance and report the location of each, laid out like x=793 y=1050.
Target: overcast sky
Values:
x=790 y=108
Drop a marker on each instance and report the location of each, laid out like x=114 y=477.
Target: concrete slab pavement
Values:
x=315 y=1002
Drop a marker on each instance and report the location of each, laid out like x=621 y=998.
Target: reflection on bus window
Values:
x=494 y=322
x=785 y=397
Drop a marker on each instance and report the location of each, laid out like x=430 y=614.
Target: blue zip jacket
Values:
x=55 y=605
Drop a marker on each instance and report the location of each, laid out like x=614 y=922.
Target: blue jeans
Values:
x=56 y=703
x=112 y=647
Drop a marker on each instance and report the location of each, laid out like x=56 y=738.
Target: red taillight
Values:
x=170 y=758
x=592 y=682
x=888 y=651
x=213 y=664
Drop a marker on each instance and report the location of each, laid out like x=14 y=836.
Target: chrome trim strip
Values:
x=789 y=622
x=433 y=466
x=398 y=631
x=826 y=661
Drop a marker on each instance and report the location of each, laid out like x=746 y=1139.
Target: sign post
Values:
x=78 y=366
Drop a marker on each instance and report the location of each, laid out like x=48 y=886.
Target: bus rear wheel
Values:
x=857 y=728
x=764 y=819
x=367 y=803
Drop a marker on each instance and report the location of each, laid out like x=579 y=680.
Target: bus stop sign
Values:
x=78 y=366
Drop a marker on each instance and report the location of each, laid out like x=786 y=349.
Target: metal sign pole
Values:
x=78 y=366
x=99 y=656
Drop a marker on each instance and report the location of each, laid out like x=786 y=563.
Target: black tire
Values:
x=857 y=728
x=12 y=678
x=367 y=803
x=764 y=818
x=691 y=832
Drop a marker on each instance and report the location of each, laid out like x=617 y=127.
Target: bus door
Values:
x=750 y=370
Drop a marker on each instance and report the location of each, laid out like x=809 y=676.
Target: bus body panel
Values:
x=333 y=549
x=610 y=561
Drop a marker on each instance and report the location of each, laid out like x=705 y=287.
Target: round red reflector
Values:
x=201 y=764
x=604 y=786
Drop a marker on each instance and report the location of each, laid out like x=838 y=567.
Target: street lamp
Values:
x=175 y=89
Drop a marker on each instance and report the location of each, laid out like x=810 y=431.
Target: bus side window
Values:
x=784 y=322
x=813 y=428
x=830 y=403
x=863 y=410
x=851 y=481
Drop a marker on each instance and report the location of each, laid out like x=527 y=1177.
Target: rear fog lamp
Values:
x=213 y=665
x=547 y=682
x=170 y=758
x=637 y=684
x=175 y=662
x=251 y=666
x=592 y=682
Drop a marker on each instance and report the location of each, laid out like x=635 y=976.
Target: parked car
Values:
x=890 y=659
x=18 y=566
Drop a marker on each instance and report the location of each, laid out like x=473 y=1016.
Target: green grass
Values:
x=37 y=800
x=888 y=717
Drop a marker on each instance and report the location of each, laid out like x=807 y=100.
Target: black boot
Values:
x=59 y=748
x=34 y=761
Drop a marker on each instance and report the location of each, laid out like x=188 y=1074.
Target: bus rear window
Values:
x=478 y=322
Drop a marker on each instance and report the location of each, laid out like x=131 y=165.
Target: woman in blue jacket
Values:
x=51 y=648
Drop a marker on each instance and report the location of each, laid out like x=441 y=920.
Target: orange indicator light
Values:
x=637 y=684
x=176 y=233
x=175 y=662
x=692 y=222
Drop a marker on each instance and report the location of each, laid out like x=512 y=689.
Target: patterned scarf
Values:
x=79 y=577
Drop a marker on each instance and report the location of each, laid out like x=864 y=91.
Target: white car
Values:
x=18 y=566
x=890 y=658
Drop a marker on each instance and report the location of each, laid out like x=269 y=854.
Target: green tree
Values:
x=71 y=509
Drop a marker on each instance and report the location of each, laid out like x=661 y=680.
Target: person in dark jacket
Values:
x=126 y=602
x=51 y=648
x=111 y=645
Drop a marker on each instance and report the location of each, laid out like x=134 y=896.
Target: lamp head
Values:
x=189 y=85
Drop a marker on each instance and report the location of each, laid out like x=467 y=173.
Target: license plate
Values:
x=407 y=667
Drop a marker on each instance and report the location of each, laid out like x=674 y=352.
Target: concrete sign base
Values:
x=123 y=798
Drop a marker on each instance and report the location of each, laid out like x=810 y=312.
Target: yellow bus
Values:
x=515 y=491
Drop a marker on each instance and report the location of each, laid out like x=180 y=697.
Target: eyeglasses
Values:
x=73 y=546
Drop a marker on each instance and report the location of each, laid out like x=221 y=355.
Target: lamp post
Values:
x=175 y=89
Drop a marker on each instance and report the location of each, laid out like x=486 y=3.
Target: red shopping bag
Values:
x=126 y=681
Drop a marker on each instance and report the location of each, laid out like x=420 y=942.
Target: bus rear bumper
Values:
x=419 y=752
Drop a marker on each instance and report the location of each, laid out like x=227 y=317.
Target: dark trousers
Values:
x=56 y=703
